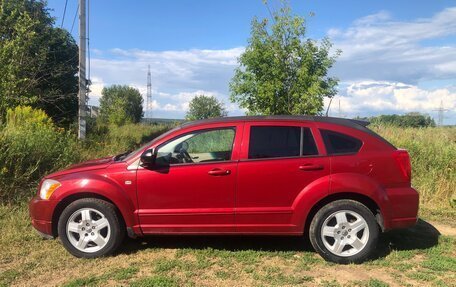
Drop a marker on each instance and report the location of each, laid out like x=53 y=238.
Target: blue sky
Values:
x=398 y=56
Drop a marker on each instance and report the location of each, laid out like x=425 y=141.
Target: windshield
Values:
x=129 y=155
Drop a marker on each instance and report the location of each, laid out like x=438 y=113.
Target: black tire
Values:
x=326 y=215
x=108 y=210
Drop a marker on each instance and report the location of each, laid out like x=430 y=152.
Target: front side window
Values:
x=274 y=141
x=338 y=143
x=199 y=146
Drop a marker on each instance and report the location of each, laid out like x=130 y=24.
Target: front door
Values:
x=191 y=188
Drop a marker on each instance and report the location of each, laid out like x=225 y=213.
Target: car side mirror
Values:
x=148 y=157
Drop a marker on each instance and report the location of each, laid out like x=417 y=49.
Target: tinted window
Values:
x=274 y=141
x=199 y=146
x=308 y=143
x=337 y=143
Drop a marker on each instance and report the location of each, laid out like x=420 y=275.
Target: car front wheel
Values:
x=344 y=231
x=90 y=228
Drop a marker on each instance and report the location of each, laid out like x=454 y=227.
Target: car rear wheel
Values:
x=90 y=227
x=344 y=231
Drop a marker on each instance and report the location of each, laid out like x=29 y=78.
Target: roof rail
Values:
x=340 y=121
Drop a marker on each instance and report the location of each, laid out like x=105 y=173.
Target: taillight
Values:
x=403 y=161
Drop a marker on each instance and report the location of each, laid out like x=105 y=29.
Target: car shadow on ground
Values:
x=421 y=236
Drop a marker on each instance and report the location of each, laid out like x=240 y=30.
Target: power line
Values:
x=74 y=19
x=64 y=12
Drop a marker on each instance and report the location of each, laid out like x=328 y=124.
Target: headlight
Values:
x=48 y=187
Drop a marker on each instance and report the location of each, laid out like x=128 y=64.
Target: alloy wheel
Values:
x=345 y=233
x=88 y=230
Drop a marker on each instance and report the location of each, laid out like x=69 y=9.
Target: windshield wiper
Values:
x=121 y=156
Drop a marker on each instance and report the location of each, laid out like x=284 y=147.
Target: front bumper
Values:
x=41 y=212
x=404 y=204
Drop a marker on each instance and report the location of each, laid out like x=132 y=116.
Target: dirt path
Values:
x=444 y=229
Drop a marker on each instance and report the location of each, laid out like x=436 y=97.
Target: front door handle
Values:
x=218 y=171
x=310 y=167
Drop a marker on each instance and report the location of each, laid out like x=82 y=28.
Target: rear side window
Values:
x=274 y=141
x=337 y=143
x=280 y=141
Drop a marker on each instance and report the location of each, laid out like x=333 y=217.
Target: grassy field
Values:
x=424 y=255
x=416 y=256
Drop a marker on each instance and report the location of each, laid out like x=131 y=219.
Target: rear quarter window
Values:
x=339 y=143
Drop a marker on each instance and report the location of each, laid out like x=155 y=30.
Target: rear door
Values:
x=278 y=160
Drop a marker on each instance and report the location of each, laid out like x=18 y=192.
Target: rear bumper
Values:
x=404 y=204
x=41 y=214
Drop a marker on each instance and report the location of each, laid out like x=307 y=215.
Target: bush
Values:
x=107 y=140
x=31 y=146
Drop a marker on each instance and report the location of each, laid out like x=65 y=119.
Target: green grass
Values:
x=125 y=273
x=155 y=281
x=416 y=256
x=370 y=283
x=89 y=281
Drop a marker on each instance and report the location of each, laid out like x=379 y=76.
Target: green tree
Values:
x=38 y=62
x=205 y=107
x=282 y=71
x=120 y=104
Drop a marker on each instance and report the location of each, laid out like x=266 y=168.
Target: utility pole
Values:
x=82 y=70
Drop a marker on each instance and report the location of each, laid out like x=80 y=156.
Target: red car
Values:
x=330 y=178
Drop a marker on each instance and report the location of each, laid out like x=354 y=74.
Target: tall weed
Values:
x=433 y=156
x=30 y=147
x=109 y=140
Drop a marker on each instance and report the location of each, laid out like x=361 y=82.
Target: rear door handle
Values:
x=218 y=171
x=310 y=167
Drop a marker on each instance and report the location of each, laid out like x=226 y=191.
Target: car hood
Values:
x=84 y=166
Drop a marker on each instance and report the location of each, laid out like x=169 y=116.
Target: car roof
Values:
x=339 y=121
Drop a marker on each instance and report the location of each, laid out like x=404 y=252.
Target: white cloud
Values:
x=379 y=48
x=180 y=102
x=385 y=62
x=95 y=89
x=177 y=76
x=382 y=97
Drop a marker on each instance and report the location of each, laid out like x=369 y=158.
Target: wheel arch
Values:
x=76 y=196
x=361 y=198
